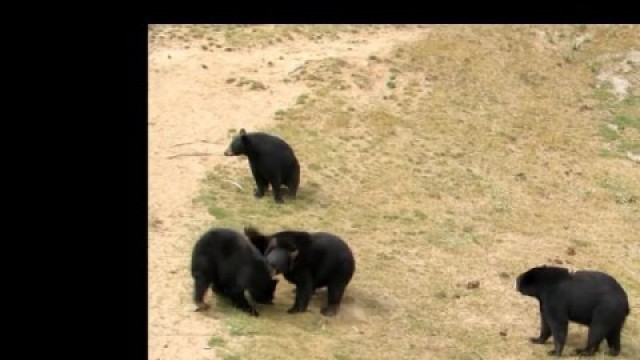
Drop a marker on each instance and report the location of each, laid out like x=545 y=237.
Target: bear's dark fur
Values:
x=590 y=298
x=272 y=161
x=310 y=261
x=228 y=262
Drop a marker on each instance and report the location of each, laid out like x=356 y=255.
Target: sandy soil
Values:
x=191 y=109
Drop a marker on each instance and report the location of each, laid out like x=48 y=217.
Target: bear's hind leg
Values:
x=598 y=330
x=613 y=341
x=334 y=297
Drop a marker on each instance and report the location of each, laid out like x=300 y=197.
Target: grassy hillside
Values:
x=450 y=165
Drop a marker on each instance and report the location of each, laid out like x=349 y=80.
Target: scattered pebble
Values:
x=473 y=284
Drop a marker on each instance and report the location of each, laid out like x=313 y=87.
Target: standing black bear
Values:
x=310 y=261
x=226 y=260
x=272 y=161
x=587 y=297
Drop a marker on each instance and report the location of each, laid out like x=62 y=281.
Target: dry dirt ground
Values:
x=191 y=110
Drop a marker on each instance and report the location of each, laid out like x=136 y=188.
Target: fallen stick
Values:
x=234 y=183
x=189 y=154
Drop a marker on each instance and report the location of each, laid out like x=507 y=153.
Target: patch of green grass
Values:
x=341 y=356
x=280 y=114
x=302 y=98
x=595 y=67
x=629 y=145
x=532 y=78
x=620 y=189
x=231 y=357
x=216 y=341
x=623 y=128
x=608 y=153
x=219 y=213
x=240 y=324
x=252 y=84
x=603 y=94
x=624 y=121
x=608 y=133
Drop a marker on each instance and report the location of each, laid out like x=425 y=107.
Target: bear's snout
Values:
x=278 y=260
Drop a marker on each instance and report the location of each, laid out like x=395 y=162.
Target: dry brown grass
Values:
x=481 y=162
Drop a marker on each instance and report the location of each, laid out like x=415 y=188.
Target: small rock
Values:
x=204 y=66
x=168 y=56
x=585 y=108
x=166 y=346
x=473 y=284
x=228 y=49
x=503 y=333
x=613 y=127
x=520 y=176
x=633 y=157
x=504 y=275
x=571 y=251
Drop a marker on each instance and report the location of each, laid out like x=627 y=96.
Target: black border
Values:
x=136 y=128
x=409 y=13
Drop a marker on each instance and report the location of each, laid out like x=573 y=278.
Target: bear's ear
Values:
x=251 y=232
x=243 y=137
x=257 y=239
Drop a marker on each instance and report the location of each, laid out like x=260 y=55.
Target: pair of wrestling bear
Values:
x=231 y=263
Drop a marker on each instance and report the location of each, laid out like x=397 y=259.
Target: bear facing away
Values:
x=590 y=298
x=309 y=261
x=272 y=161
x=225 y=260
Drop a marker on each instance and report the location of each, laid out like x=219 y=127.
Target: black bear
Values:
x=309 y=261
x=225 y=260
x=272 y=161
x=590 y=298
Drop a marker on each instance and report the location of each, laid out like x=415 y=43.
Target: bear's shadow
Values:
x=304 y=195
x=356 y=308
